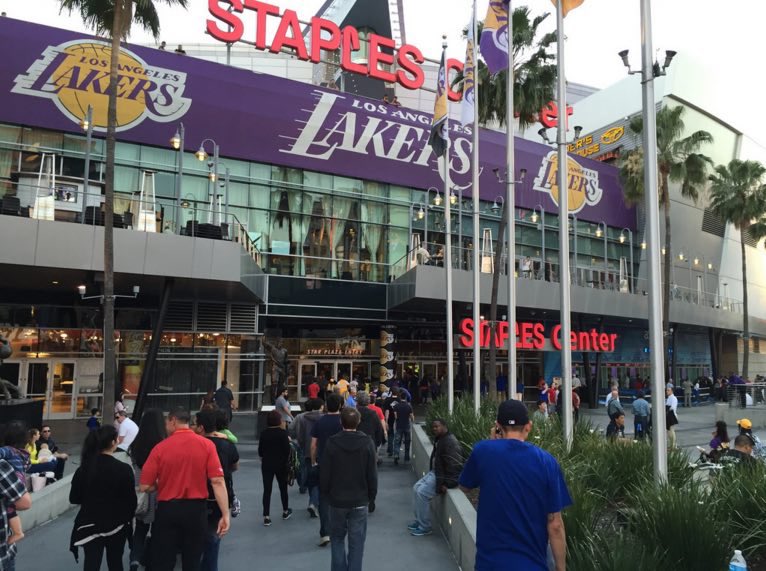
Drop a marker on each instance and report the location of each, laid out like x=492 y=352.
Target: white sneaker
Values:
x=312 y=511
x=324 y=541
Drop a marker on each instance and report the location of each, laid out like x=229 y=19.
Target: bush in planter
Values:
x=612 y=551
x=682 y=523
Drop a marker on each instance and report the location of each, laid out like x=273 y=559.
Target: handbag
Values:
x=142 y=503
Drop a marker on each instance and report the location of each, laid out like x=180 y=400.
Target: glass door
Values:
x=308 y=371
x=52 y=382
x=37 y=383
x=344 y=370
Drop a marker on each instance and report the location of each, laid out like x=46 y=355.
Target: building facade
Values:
x=308 y=241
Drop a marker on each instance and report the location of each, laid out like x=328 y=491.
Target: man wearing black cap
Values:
x=522 y=494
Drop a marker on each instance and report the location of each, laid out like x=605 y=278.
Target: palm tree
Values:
x=678 y=161
x=738 y=197
x=113 y=18
x=534 y=74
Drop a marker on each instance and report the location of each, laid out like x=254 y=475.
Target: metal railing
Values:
x=192 y=218
x=587 y=276
x=746 y=396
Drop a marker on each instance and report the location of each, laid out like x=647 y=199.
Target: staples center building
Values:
x=298 y=228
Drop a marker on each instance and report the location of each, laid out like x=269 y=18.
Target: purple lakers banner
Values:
x=49 y=77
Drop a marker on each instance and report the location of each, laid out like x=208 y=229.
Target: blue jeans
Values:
x=351 y=522
x=212 y=546
x=406 y=436
x=312 y=483
x=422 y=492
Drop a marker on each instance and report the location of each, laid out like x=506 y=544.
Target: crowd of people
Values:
x=165 y=486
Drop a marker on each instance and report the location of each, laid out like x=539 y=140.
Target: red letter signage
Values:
x=531 y=336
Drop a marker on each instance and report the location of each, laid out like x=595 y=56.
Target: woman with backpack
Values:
x=105 y=490
x=274 y=450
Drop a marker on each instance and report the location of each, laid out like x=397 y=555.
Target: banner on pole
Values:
x=439 y=135
x=469 y=78
x=568 y=5
x=494 y=37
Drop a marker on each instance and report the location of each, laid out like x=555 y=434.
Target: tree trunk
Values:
x=666 y=275
x=110 y=373
x=491 y=371
x=745 y=314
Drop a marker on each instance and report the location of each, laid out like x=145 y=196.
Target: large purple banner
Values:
x=48 y=77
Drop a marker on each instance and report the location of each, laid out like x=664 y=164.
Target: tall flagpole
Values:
x=476 y=225
x=510 y=205
x=564 y=277
x=656 y=346
x=448 y=249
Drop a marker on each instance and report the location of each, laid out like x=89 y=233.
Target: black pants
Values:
x=179 y=525
x=113 y=545
x=268 y=479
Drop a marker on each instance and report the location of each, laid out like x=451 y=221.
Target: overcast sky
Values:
x=728 y=36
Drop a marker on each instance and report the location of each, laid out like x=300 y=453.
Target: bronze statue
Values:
x=8 y=389
x=278 y=355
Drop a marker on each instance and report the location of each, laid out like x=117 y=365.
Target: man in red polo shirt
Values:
x=179 y=468
x=313 y=389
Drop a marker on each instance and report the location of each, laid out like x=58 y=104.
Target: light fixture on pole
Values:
x=83 y=290
x=421 y=214
x=177 y=142
x=630 y=245
x=547 y=140
x=510 y=183
x=202 y=156
x=497 y=208
x=542 y=234
x=437 y=201
x=605 y=235
x=87 y=126
x=651 y=195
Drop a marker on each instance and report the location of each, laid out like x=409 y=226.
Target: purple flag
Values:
x=494 y=37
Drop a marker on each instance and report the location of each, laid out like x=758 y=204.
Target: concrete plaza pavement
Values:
x=287 y=545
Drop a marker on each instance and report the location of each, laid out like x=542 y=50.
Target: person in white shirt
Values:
x=127 y=431
x=424 y=257
x=671 y=419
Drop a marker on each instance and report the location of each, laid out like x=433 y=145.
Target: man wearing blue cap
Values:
x=522 y=494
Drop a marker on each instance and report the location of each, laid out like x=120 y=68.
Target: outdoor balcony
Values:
x=421 y=284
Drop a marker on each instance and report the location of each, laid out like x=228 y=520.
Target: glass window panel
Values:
x=259 y=195
x=194 y=188
x=6 y=163
x=156 y=157
x=126 y=179
x=399 y=216
x=42 y=139
x=165 y=184
x=127 y=153
x=238 y=192
x=10 y=134
x=400 y=193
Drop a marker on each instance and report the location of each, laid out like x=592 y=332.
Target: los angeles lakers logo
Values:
x=583 y=184
x=75 y=75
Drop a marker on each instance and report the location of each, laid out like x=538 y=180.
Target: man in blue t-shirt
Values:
x=522 y=494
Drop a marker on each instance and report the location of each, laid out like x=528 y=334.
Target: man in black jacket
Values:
x=446 y=464
x=349 y=481
x=370 y=423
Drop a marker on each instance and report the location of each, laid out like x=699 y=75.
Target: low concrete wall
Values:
x=47 y=504
x=452 y=512
x=731 y=414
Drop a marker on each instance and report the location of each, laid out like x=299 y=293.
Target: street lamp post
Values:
x=177 y=142
x=87 y=125
x=650 y=70
x=202 y=156
x=542 y=231
x=622 y=241
x=437 y=202
x=421 y=214
x=574 y=259
x=603 y=234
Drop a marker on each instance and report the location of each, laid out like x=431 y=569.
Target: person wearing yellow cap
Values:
x=746 y=428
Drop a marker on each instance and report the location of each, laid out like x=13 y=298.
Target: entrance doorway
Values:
x=51 y=381
x=308 y=370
